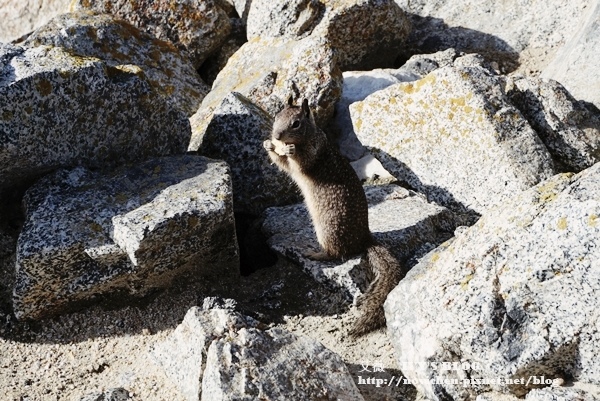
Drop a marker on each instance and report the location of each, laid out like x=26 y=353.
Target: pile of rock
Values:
x=131 y=168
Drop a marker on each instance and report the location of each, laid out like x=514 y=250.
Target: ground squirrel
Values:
x=337 y=205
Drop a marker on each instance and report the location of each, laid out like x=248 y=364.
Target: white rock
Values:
x=576 y=64
x=454 y=136
x=217 y=355
x=19 y=18
x=533 y=30
x=183 y=354
x=274 y=365
x=514 y=296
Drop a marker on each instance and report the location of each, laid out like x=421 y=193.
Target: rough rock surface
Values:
x=381 y=26
x=19 y=18
x=132 y=230
x=577 y=63
x=501 y=31
x=114 y=394
x=360 y=84
x=57 y=109
x=292 y=19
x=221 y=355
x=116 y=42
x=275 y=364
x=268 y=72
x=514 y=296
x=197 y=27
x=357 y=86
x=454 y=136
x=183 y=354
x=560 y=394
x=398 y=218
x=570 y=131
x=236 y=134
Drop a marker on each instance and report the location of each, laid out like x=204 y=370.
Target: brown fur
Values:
x=337 y=205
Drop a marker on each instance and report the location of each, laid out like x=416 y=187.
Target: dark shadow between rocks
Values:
x=255 y=254
x=430 y=35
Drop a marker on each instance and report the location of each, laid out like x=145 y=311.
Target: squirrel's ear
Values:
x=305 y=107
x=290 y=101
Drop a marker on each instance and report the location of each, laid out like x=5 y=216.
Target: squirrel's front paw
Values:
x=268 y=145
x=289 y=150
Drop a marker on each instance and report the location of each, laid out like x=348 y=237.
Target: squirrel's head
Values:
x=294 y=124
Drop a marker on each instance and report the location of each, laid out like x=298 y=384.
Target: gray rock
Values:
x=454 y=136
x=398 y=218
x=218 y=354
x=268 y=72
x=514 y=296
x=275 y=365
x=533 y=30
x=57 y=109
x=19 y=18
x=133 y=230
x=560 y=394
x=235 y=135
x=568 y=129
x=114 y=394
x=183 y=354
x=116 y=42
x=292 y=19
x=197 y=27
x=576 y=64
x=365 y=34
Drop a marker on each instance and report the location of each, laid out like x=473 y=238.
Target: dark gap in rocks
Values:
x=255 y=254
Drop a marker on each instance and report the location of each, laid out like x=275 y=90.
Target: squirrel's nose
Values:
x=277 y=135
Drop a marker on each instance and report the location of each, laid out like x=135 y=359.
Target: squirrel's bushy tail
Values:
x=386 y=273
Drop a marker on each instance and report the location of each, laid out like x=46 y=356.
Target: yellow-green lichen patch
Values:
x=464 y=284
x=562 y=223
x=593 y=220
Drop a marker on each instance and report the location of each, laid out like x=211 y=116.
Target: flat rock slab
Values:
x=454 y=136
x=515 y=296
x=218 y=355
x=62 y=110
x=116 y=42
x=132 y=230
x=398 y=218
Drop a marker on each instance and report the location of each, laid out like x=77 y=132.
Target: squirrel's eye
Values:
x=296 y=124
